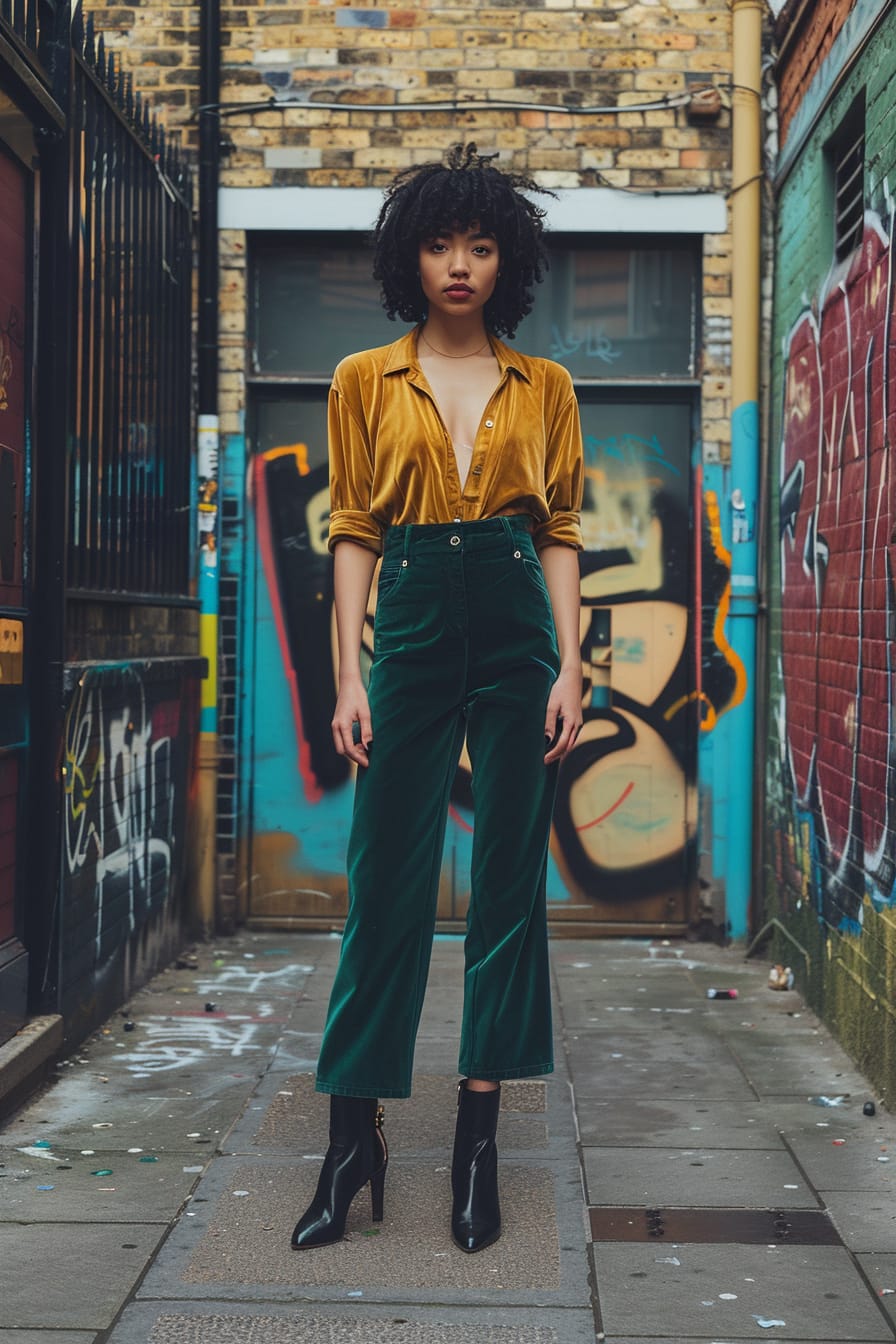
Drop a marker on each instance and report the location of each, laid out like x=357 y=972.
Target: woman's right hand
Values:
x=352 y=708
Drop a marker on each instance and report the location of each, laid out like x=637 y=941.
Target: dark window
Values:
x=846 y=158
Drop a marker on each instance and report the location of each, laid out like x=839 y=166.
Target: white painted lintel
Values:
x=586 y=210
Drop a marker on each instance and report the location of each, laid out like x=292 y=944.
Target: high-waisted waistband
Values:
x=510 y=531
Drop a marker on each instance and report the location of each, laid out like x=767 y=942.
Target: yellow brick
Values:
x=247 y=177
x=575 y=59
x=339 y=138
x=390 y=157
x=341 y=177
x=437 y=38
x=306 y=118
x=652 y=81
x=647 y=158
x=231 y=357
x=485 y=79
x=624 y=60
x=694 y=61
x=544 y=41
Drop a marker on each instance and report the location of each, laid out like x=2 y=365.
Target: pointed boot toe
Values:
x=357 y=1155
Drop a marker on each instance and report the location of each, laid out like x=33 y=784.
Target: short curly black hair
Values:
x=464 y=190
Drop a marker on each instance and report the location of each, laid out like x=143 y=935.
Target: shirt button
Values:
x=455 y=541
x=477 y=471
x=489 y=424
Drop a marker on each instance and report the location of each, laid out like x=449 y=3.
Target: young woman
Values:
x=460 y=462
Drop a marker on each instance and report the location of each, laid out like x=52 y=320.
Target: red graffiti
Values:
x=837 y=521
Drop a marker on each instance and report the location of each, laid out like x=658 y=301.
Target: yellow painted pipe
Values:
x=746 y=198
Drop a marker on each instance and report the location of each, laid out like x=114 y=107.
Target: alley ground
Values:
x=672 y=1181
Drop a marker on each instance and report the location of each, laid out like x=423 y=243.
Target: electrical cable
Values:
x=274 y=104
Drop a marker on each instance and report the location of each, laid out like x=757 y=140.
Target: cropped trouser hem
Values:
x=504 y=1075
x=341 y=1090
x=396 y=1093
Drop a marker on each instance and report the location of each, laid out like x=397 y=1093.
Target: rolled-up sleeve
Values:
x=351 y=477
x=564 y=480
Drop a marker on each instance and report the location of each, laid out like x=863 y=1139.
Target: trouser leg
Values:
x=506 y=1031
x=394 y=858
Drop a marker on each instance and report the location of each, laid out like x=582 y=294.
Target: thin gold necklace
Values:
x=446 y=356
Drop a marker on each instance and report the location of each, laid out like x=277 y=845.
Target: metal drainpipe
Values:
x=207 y=457
x=743 y=501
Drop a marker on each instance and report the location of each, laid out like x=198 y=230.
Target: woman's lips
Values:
x=458 y=291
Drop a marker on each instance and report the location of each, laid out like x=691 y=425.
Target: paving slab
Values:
x=158 y=1118
x=789 y=1067
x=664 y=1123
x=236 y=1247
x=853 y=1163
x=880 y=1271
x=247 y=1241
x=683 y=1074
x=101 y=1187
x=342 y=1323
x=698 y=1177
x=706 y=1292
x=866 y=1222
x=92 y=1269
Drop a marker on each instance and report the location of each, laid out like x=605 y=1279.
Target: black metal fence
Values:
x=23 y=18
x=129 y=489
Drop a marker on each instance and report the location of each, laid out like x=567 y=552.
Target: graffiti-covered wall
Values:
x=128 y=775
x=831 y=788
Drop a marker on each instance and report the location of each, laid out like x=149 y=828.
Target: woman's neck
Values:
x=454 y=338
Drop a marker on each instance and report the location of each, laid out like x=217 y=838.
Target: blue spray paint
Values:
x=743 y=508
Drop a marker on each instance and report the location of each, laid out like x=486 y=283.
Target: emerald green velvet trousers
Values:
x=464 y=644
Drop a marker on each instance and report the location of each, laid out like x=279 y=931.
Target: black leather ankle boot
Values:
x=357 y=1154
x=476 y=1213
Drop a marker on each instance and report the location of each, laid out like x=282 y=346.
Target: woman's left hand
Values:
x=564 y=715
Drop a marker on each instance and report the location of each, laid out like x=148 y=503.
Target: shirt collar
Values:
x=403 y=356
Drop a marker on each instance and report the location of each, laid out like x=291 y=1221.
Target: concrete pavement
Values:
x=672 y=1181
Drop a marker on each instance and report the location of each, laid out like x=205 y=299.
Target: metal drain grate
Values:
x=747 y=1227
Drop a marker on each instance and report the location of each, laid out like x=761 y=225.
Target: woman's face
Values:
x=458 y=270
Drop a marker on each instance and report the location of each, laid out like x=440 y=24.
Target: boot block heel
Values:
x=377 y=1195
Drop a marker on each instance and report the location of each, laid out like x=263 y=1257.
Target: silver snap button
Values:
x=404 y=564
x=516 y=555
x=489 y=424
x=455 y=541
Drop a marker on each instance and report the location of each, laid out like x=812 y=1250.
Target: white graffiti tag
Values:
x=177 y=1043
x=246 y=981
x=119 y=815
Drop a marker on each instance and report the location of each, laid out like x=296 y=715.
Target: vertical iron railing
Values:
x=23 y=17
x=130 y=451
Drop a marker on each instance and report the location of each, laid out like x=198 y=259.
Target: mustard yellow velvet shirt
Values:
x=392 y=461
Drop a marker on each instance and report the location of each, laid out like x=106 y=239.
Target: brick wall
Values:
x=830 y=841
x=804 y=46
